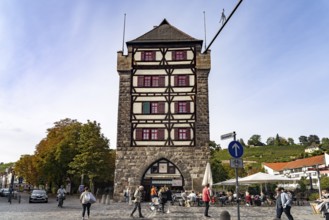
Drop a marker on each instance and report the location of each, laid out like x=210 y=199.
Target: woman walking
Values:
x=86 y=198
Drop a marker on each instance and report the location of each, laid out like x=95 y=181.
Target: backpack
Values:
x=86 y=197
x=133 y=196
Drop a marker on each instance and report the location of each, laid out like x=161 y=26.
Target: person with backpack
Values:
x=137 y=199
x=86 y=198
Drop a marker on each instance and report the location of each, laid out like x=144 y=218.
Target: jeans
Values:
x=207 y=209
x=137 y=205
x=286 y=210
x=86 y=206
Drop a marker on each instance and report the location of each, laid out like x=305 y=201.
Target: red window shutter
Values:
x=176 y=133
x=139 y=134
x=187 y=81
x=142 y=56
x=176 y=80
x=188 y=107
x=188 y=133
x=140 y=82
x=161 y=107
x=176 y=107
x=185 y=55
x=160 y=134
x=161 y=81
x=153 y=55
x=173 y=55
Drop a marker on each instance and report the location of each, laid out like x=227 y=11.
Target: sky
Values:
x=269 y=72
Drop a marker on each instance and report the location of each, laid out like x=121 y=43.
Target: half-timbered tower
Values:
x=163 y=115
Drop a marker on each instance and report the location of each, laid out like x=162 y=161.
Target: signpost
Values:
x=236 y=151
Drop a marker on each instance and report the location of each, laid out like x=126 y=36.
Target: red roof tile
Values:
x=276 y=166
x=306 y=162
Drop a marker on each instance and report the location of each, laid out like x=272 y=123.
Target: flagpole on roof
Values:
x=205 y=32
x=124 y=30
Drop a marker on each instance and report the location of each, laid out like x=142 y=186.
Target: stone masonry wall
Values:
x=132 y=162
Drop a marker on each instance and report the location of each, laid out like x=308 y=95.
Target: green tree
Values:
x=56 y=151
x=219 y=173
x=303 y=140
x=214 y=147
x=92 y=159
x=324 y=181
x=242 y=142
x=291 y=141
x=25 y=167
x=255 y=140
x=325 y=143
x=313 y=139
x=270 y=141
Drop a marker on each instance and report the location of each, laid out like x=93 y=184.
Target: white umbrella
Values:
x=207 y=178
x=230 y=182
x=264 y=178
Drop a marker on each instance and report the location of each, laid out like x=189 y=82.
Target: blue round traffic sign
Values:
x=235 y=149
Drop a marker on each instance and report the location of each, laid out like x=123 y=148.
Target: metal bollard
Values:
x=103 y=199
x=225 y=215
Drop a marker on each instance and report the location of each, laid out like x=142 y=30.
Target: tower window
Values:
x=182 y=80
x=182 y=107
x=153 y=107
x=151 y=81
x=182 y=134
x=179 y=55
x=147 y=81
x=146 y=134
x=148 y=56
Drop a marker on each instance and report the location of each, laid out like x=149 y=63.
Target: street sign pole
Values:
x=237 y=184
x=236 y=151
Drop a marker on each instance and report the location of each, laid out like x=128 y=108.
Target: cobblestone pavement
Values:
x=72 y=210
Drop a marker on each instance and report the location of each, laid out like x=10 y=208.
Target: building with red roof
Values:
x=312 y=167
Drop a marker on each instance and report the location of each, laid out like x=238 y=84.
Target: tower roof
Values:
x=164 y=33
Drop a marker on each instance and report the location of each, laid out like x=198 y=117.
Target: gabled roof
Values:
x=164 y=33
x=306 y=162
x=276 y=166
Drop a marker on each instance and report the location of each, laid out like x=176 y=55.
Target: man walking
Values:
x=283 y=203
x=206 y=198
x=137 y=201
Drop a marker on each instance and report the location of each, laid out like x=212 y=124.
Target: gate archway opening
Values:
x=162 y=173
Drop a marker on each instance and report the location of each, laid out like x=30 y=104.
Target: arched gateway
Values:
x=163 y=115
x=162 y=173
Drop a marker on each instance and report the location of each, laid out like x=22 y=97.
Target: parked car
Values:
x=38 y=196
x=4 y=192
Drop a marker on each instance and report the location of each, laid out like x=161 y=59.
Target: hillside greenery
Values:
x=266 y=153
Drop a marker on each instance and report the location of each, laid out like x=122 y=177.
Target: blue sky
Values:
x=269 y=75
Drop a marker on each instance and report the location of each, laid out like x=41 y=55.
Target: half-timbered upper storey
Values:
x=164 y=87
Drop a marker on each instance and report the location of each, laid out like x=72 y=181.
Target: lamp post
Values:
x=319 y=183
x=311 y=182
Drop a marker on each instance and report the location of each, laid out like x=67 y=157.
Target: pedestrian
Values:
x=61 y=192
x=283 y=203
x=323 y=205
x=126 y=194
x=137 y=200
x=153 y=193
x=206 y=199
x=163 y=198
x=86 y=199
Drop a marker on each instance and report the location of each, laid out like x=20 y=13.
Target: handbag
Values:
x=92 y=198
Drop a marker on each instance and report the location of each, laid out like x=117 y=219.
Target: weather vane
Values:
x=223 y=17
